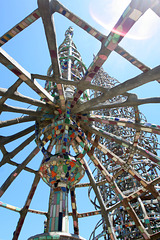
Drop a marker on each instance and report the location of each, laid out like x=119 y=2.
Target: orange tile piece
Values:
x=72 y=164
x=53 y=174
x=72 y=179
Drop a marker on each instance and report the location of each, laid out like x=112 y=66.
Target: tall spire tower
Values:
x=60 y=169
x=72 y=66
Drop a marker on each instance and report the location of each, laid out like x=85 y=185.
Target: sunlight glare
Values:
x=107 y=12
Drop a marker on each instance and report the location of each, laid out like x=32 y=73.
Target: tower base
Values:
x=56 y=235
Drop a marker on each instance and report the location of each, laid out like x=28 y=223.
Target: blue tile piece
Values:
x=4 y=40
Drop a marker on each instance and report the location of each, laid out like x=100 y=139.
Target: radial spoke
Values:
x=7 y=156
x=7 y=108
x=24 y=210
x=88 y=214
x=156 y=7
x=147 y=127
x=113 y=39
x=19 y=27
x=8 y=139
x=11 y=90
x=48 y=22
x=129 y=102
x=109 y=178
x=17 y=209
x=100 y=200
x=49 y=27
x=22 y=119
x=135 y=218
x=14 y=67
x=130 y=84
x=123 y=142
x=99 y=36
x=155 y=236
x=19 y=97
x=57 y=6
x=82 y=85
x=26 y=168
x=17 y=171
x=131 y=59
x=98 y=195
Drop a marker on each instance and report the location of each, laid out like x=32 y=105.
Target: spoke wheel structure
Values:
x=82 y=124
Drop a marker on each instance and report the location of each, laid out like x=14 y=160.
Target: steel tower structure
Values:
x=84 y=112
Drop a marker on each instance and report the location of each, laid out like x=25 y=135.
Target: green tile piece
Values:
x=56 y=237
x=55 y=168
x=58 y=197
x=65 y=168
x=42 y=238
x=49 y=237
x=67 y=120
x=77 y=176
x=56 y=225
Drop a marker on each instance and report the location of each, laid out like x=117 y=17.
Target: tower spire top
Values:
x=69 y=31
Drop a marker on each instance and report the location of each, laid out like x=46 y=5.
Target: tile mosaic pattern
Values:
x=63 y=129
x=61 y=170
x=143 y=126
x=59 y=210
x=56 y=235
x=19 y=27
x=79 y=22
x=124 y=24
x=131 y=59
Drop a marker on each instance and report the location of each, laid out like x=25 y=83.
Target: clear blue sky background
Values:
x=29 y=48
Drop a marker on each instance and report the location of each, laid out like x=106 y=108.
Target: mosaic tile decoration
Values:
x=143 y=126
x=121 y=148
x=59 y=210
x=56 y=235
x=131 y=59
x=61 y=169
x=125 y=23
x=65 y=12
x=19 y=27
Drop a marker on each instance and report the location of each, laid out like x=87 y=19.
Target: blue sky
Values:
x=29 y=48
